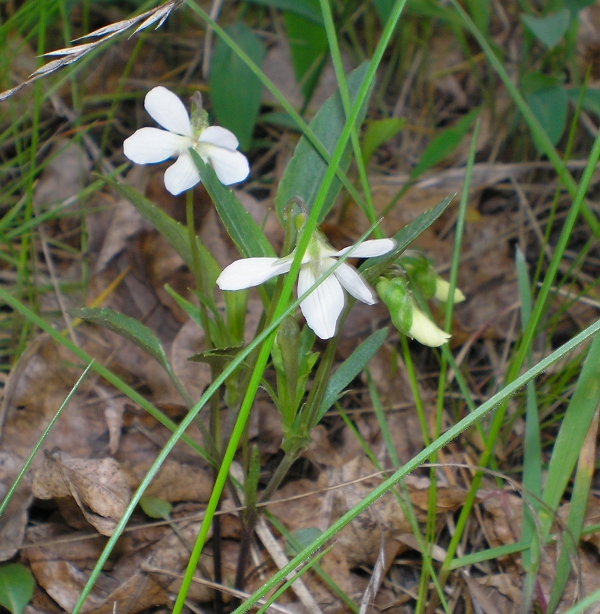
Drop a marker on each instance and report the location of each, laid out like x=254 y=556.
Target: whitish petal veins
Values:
x=250 y=272
x=354 y=284
x=182 y=175
x=149 y=145
x=166 y=109
x=323 y=306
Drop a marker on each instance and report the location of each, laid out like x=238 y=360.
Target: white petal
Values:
x=425 y=331
x=166 y=109
x=182 y=175
x=354 y=284
x=250 y=272
x=220 y=137
x=230 y=165
x=149 y=145
x=323 y=306
x=369 y=249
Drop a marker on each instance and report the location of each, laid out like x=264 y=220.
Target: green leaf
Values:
x=174 y=232
x=127 y=327
x=136 y=332
x=573 y=430
x=308 y=47
x=279 y=119
x=16 y=587
x=383 y=8
x=480 y=11
x=235 y=91
x=374 y=267
x=304 y=8
x=444 y=143
x=550 y=28
x=576 y=5
x=306 y=169
x=591 y=98
x=550 y=108
x=219 y=357
x=300 y=539
x=350 y=368
x=243 y=230
x=378 y=132
x=155 y=507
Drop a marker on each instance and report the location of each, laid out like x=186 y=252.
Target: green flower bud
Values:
x=406 y=316
x=199 y=117
x=397 y=298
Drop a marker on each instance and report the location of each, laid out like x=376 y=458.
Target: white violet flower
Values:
x=215 y=145
x=323 y=306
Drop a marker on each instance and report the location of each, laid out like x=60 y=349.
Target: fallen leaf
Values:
x=99 y=487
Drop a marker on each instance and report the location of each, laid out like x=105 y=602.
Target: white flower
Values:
x=323 y=306
x=425 y=331
x=216 y=146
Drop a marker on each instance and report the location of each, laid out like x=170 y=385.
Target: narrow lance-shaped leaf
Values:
x=125 y=326
x=243 y=230
x=306 y=170
x=134 y=331
x=350 y=368
x=374 y=267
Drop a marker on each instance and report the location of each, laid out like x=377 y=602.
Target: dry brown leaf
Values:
x=125 y=220
x=181 y=482
x=99 y=487
x=36 y=388
x=195 y=376
x=65 y=175
x=361 y=539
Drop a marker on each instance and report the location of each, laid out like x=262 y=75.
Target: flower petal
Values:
x=166 y=109
x=182 y=175
x=323 y=306
x=425 y=331
x=250 y=272
x=149 y=145
x=220 y=137
x=354 y=284
x=368 y=249
x=230 y=165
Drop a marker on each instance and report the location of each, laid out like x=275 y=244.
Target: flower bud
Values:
x=406 y=316
x=425 y=331
x=442 y=291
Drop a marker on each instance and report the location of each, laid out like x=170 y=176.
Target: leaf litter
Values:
x=102 y=446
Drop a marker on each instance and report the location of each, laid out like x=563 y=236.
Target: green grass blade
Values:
x=573 y=430
x=40 y=441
